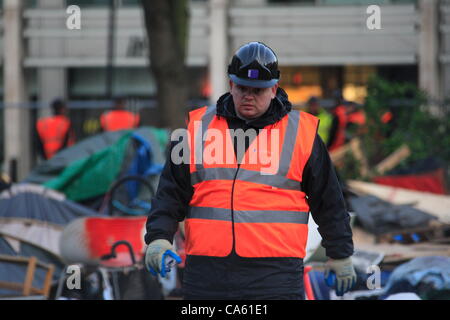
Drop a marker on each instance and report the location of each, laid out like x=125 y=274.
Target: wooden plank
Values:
x=48 y=281
x=338 y=154
x=11 y=286
x=18 y=287
x=393 y=159
x=22 y=260
x=26 y=288
x=395 y=252
x=16 y=259
x=435 y=230
x=355 y=145
x=29 y=276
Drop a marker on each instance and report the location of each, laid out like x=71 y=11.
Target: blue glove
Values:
x=169 y=258
x=160 y=258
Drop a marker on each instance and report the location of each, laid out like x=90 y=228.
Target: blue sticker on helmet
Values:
x=253 y=73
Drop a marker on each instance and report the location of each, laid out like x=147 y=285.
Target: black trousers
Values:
x=238 y=278
x=262 y=297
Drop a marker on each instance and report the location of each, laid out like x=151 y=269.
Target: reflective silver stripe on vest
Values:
x=209 y=213
x=276 y=181
x=199 y=142
x=289 y=143
x=260 y=216
x=271 y=217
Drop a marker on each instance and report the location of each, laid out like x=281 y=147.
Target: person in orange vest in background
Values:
x=119 y=118
x=355 y=115
x=339 y=124
x=356 y=119
x=246 y=222
x=55 y=132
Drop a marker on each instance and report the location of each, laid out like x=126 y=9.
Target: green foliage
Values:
x=413 y=124
x=351 y=169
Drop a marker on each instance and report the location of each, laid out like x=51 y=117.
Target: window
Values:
x=355 y=82
x=90 y=82
x=300 y=83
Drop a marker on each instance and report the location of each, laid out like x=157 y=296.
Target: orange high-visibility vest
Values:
x=386 y=117
x=52 y=132
x=339 y=140
x=257 y=211
x=357 y=117
x=119 y=120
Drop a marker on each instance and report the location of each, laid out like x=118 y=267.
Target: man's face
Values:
x=252 y=102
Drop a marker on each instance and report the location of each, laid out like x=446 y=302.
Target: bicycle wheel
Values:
x=130 y=195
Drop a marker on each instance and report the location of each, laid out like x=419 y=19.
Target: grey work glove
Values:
x=340 y=273
x=155 y=255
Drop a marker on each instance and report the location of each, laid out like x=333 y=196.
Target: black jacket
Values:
x=235 y=277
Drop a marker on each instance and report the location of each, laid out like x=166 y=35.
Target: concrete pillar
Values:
x=52 y=82
x=17 y=147
x=445 y=48
x=218 y=48
x=429 y=48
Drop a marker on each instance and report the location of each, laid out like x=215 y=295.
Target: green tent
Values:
x=89 y=168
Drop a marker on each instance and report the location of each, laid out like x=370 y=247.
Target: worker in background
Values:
x=356 y=120
x=119 y=118
x=355 y=114
x=339 y=124
x=246 y=224
x=313 y=107
x=55 y=132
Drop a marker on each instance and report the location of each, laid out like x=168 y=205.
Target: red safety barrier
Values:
x=307 y=284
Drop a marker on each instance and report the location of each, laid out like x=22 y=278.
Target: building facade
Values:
x=322 y=46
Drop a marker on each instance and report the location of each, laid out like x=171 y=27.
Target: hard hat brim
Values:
x=253 y=83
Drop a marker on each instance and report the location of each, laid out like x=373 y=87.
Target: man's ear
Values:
x=231 y=84
x=274 y=90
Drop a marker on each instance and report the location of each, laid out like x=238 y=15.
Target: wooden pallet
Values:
x=26 y=288
x=435 y=233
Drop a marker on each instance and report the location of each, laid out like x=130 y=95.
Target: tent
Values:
x=88 y=169
x=53 y=167
x=32 y=219
x=36 y=214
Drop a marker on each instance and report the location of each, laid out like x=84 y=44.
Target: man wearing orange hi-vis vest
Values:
x=55 y=132
x=119 y=118
x=244 y=176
